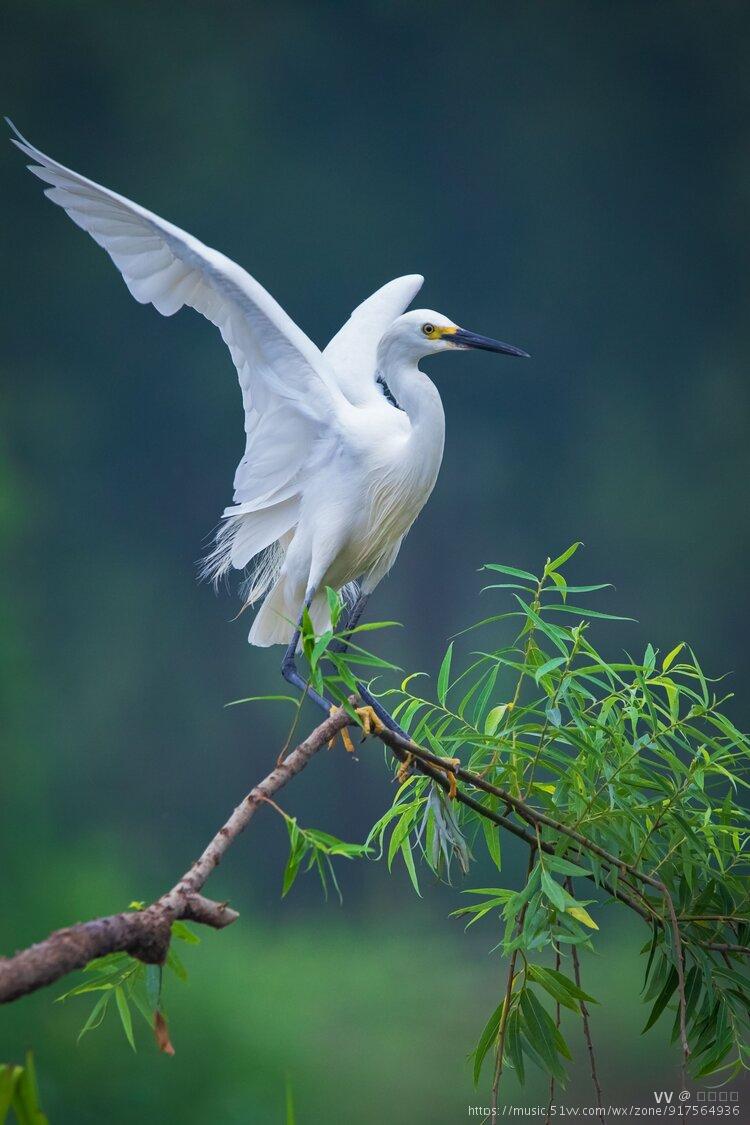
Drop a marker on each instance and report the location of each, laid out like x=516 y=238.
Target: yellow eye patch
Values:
x=433 y=332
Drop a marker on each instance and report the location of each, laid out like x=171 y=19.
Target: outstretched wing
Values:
x=289 y=391
x=353 y=350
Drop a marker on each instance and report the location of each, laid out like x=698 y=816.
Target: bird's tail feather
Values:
x=251 y=539
x=277 y=618
x=273 y=625
x=245 y=537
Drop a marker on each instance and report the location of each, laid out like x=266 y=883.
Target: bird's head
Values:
x=423 y=332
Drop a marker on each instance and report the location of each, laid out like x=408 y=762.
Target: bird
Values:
x=343 y=446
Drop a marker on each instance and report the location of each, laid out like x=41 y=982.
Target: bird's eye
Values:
x=428 y=329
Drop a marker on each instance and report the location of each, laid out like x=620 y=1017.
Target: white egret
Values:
x=343 y=446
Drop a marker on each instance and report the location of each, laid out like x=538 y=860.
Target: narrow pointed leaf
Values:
x=125 y=1017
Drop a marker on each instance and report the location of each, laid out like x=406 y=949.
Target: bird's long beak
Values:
x=463 y=339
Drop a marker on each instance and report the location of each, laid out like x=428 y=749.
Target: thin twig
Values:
x=500 y=1050
x=723 y=947
x=680 y=966
x=548 y=1118
x=585 y=1014
x=587 y=1031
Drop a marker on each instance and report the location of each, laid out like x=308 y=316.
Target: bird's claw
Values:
x=404 y=769
x=371 y=724
x=451 y=765
x=449 y=769
x=371 y=721
x=346 y=738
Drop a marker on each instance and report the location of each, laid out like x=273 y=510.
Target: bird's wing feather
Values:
x=289 y=390
x=353 y=350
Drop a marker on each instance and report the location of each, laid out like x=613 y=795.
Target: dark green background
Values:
x=572 y=177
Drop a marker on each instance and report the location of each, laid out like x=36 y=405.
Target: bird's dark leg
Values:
x=289 y=664
x=372 y=714
x=291 y=674
x=350 y=621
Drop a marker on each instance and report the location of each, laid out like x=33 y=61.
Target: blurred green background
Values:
x=571 y=177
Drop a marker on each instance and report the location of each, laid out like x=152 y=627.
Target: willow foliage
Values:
x=629 y=782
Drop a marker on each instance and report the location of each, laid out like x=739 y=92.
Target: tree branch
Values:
x=505 y=1014
x=585 y=1015
x=146 y=934
x=437 y=768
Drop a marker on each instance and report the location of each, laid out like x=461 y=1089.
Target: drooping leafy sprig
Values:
x=626 y=777
x=124 y=984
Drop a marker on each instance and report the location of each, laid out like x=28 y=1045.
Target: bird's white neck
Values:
x=414 y=392
x=418 y=397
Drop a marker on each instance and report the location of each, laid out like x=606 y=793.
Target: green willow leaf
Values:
x=25 y=1103
x=486 y=1039
x=444 y=674
x=662 y=999
x=549 y=666
x=590 y=589
x=96 y=1016
x=564 y=866
x=409 y=861
x=175 y=964
x=560 y=987
x=553 y=891
x=580 y=611
x=492 y=840
x=335 y=605
x=126 y=1019
x=8 y=1078
x=184 y=933
x=670 y=658
x=537 y=1030
x=494 y=717
x=513 y=1047
x=513 y=571
x=563 y=558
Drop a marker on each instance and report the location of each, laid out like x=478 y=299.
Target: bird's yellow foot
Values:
x=404 y=769
x=346 y=738
x=371 y=724
x=449 y=769
x=451 y=765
